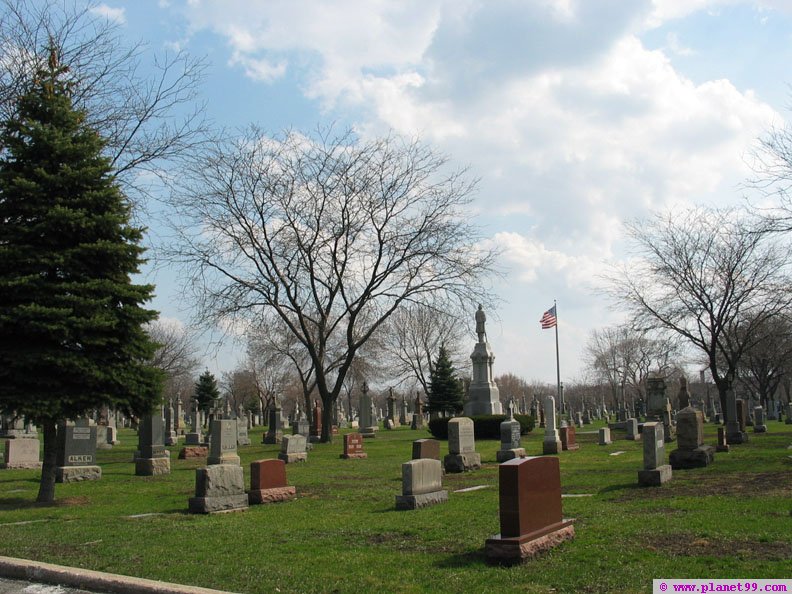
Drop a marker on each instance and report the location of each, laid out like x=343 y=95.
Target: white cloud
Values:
x=111 y=14
x=571 y=122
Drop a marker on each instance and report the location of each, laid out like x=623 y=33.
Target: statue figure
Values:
x=481 y=318
x=684 y=396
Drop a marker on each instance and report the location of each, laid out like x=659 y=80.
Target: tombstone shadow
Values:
x=468 y=559
x=621 y=487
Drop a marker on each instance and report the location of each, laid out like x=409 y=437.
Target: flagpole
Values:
x=558 y=363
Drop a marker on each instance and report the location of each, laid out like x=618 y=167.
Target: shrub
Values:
x=484 y=426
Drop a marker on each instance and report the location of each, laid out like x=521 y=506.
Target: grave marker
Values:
x=223 y=442
x=462 y=455
x=568 y=438
x=426 y=448
x=551 y=443
x=218 y=488
x=152 y=459
x=604 y=436
x=76 y=454
x=655 y=471
x=422 y=484
x=268 y=482
x=353 y=447
x=530 y=510
x=293 y=449
x=691 y=451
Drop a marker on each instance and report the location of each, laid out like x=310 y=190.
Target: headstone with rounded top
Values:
x=462 y=455
x=268 y=482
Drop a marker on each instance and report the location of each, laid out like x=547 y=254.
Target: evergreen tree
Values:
x=206 y=391
x=71 y=320
x=445 y=389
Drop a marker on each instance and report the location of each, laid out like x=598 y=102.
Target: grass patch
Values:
x=343 y=534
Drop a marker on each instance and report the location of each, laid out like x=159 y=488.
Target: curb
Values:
x=86 y=579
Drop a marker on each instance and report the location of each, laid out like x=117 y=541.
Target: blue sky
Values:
x=576 y=114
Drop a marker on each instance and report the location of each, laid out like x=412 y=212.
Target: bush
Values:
x=484 y=426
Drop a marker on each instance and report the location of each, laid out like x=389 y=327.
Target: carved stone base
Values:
x=193 y=452
x=736 y=437
x=273 y=437
x=698 y=458
x=152 y=466
x=273 y=495
x=213 y=505
x=73 y=474
x=504 y=455
x=224 y=459
x=551 y=447
x=423 y=500
x=760 y=428
x=654 y=477
x=462 y=462
x=508 y=551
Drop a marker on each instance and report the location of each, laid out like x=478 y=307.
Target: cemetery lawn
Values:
x=342 y=533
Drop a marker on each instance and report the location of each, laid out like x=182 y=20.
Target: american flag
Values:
x=549 y=319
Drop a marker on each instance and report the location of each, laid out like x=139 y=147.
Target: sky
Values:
x=576 y=115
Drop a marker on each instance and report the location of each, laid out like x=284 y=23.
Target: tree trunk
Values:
x=46 y=492
x=327 y=420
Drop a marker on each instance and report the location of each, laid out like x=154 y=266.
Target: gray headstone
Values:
x=461 y=439
x=223 y=442
x=653 y=445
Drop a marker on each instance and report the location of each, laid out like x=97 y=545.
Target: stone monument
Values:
x=568 y=438
x=735 y=430
x=691 y=451
x=604 y=436
x=551 y=443
x=658 y=407
x=417 y=418
x=195 y=437
x=293 y=449
x=223 y=442
x=316 y=424
x=268 y=482
x=426 y=448
x=153 y=459
x=422 y=484
x=368 y=418
x=510 y=446
x=462 y=455
x=530 y=510
x=655 y=471
x=760 y=425
x=218 y=488
x=20 y=445
x=483 y=396
x=353 y=447
x=76 y=453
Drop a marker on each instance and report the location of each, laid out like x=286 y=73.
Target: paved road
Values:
x=18 y=587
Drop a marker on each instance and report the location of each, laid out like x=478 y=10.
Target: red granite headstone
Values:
x=268 y=482
x=568 y=439
x=530 y=510
x=267 y=474
x=426 y=448
x=353 y=446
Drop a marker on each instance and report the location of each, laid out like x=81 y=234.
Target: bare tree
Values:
x=241 y=390
x=177 y=352
x=330 y=234
x=709 y=277
x=768 y=360
x=146 y=119
x=413 y=336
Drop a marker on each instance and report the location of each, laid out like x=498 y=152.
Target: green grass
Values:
x=342 y=533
